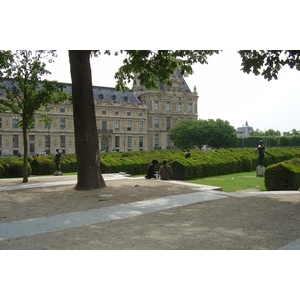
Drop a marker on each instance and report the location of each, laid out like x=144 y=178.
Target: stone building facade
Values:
x=136 y=120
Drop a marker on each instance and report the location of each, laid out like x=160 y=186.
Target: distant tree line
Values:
x=218 y=134
x=272 y=132
x=270 y=141
x=212 y=133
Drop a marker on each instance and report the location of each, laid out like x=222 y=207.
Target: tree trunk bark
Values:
x=25 y=159
x=86 y=136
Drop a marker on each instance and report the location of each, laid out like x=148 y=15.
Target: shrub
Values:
x=13 y=167
x=283 y=176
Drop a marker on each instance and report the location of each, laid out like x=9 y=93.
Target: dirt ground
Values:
x=257 y=222
x=49 y=201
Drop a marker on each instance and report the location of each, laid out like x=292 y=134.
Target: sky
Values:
x=224 y=90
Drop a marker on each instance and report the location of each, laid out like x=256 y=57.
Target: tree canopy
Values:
x=213 y=133
x=268 y=63
x=25 y=91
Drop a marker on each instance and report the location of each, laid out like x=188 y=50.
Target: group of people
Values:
x=164 y=172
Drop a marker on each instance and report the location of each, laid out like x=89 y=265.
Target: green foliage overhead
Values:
x=152 y=66
x=268 y=63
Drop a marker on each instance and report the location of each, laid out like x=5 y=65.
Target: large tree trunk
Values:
x=86 y=136
x=25 y=160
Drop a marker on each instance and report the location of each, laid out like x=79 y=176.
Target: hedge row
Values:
x=12 y=167
x=200 y=164
x=283 y=176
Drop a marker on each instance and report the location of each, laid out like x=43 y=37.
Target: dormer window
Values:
x=100 y=96
x=113 y=97
x=125 y=98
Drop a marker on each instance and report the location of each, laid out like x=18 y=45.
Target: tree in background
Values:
x=25 y=93
x=189 y=133
x=213 y=133
x=151 y=67
x=220 y=134
x=269 y=132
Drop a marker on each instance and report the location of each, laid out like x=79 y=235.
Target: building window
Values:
x=190 y=107
x=15 y=120
x=0 y=121
x=141 y=141
x=47 y=141
x=168 y=106
x=0 y=141
x=129 y=142
x=140 y=113
x=140 y=125
x=117 y=125
x=168 y=142
x=128 y=113
x=168 y=123
x=116 y=112
x=156 y=125
x=128 y=125
x=156 y=105
x=15 y=141
x=31 y=144
x=156 y=141
x=179 y=107
x=62 y=109
x=180 y=118
x=62 y=123
x=117 y=141
x=104 y=111
x=62 y=141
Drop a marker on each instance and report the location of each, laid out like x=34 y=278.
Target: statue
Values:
x=57 y=162
x=261 y=152
x=187 y=154
x=260 y=170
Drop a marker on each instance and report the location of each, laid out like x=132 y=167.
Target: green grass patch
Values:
x=233 y=182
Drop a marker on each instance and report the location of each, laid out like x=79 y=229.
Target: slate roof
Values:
x=100 y=94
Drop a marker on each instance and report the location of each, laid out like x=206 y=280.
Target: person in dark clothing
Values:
x=187 y=154
x=151 y=169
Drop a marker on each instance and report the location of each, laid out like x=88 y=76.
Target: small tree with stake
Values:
x=25 y=92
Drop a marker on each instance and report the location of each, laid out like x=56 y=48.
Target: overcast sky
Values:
x=224 y=91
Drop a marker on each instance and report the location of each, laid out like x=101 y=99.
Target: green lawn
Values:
x=233 y=182
x=228 y=183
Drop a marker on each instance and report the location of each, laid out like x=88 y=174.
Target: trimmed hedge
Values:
x=283 y=176
x=200 y=164
x=12 y=167
x=45 y=165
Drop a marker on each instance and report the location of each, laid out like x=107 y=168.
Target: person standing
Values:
x=165 y=171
